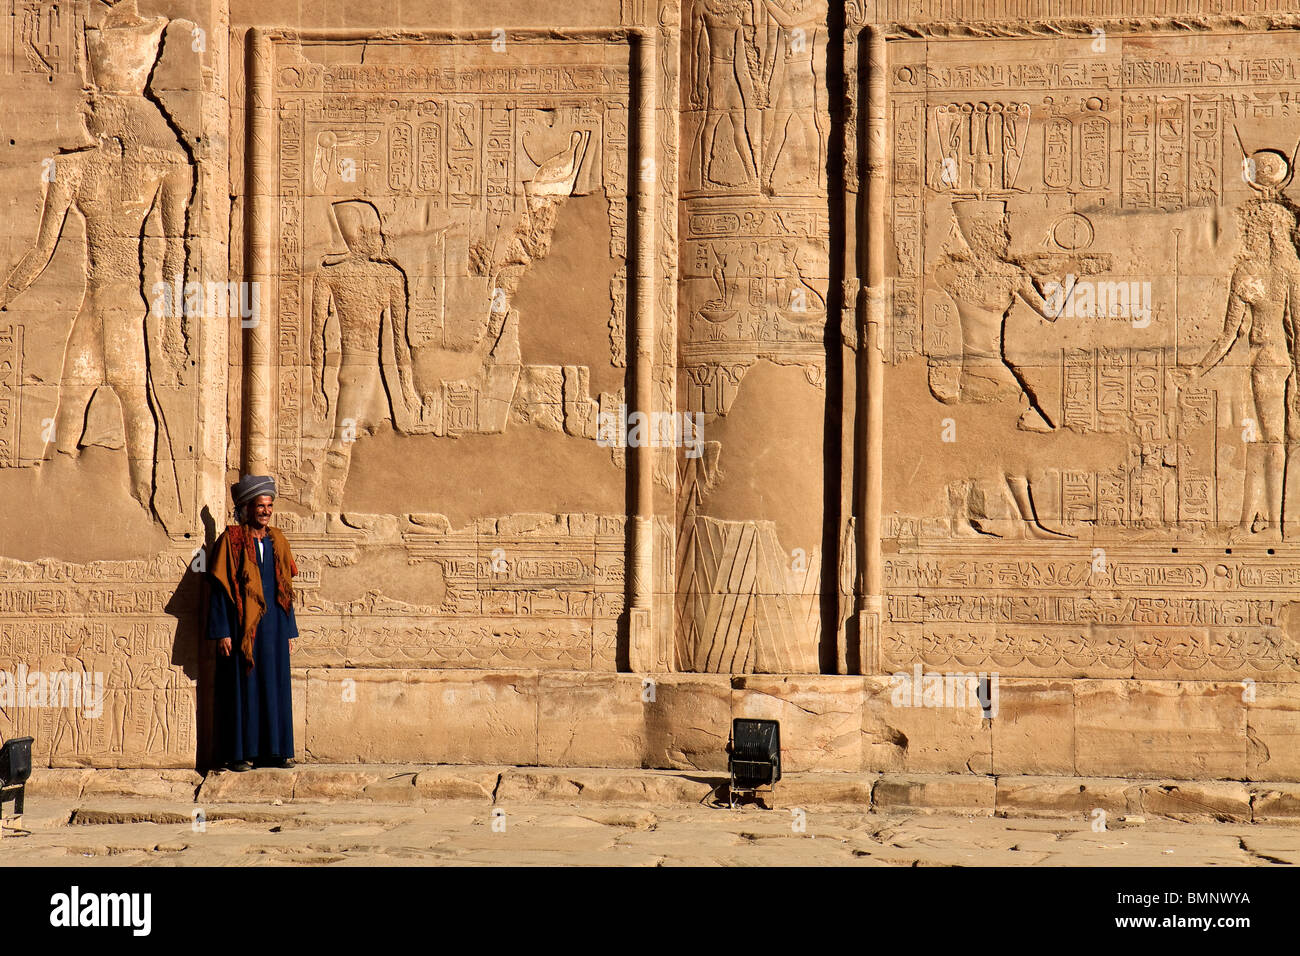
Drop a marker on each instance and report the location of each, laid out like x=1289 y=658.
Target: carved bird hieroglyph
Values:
x=329 y=143
x=557 y=175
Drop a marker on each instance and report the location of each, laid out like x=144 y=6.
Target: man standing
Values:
x=252 y=569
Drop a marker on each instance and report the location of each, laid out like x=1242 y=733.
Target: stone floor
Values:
x=142 y=831
x=387 y=814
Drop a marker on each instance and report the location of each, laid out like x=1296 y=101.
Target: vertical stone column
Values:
x=872 y=407
x=640 y=617
x=754 y=275
x=259 y=210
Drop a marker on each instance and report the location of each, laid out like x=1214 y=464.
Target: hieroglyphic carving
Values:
x=541 y=591
x=754 y=286
x=44 y=37
x=11 y=374
x=1211 y=617
x=469 y=167
x=766 y=288
x=755 y=268
x=1122 y=437
x=105 y=625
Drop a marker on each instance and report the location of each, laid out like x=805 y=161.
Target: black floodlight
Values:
x=754 y=756
x=15 y=768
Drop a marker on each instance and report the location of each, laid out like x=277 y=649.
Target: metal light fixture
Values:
x=15 y=768
x=754 y=757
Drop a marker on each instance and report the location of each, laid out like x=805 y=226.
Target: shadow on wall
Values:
x=190 y=649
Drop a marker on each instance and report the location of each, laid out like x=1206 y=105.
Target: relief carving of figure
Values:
x=367 y=295
x=793 y=153
x=1262 y=300
x=724 y=89
x=797 y=296
x=984 y=281
x=67 y=718
x=119 y=682
x=135 y=169
x=154 y=682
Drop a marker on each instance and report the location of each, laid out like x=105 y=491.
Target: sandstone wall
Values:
x=965 y=329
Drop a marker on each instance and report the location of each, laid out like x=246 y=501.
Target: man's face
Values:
x=259 y=511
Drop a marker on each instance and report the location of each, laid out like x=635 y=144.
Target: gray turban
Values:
x=250 y=487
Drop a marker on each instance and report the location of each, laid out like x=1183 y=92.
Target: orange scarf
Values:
x=234 y=566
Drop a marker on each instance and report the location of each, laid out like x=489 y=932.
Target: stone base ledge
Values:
x=1129 y=728
x=1120 y=800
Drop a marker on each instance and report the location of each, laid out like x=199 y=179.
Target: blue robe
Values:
x=254 y=708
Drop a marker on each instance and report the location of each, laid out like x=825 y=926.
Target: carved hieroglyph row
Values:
x=1203 y=616
x=541 y=591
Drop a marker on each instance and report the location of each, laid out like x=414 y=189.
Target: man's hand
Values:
x=291 y=645
x=224 y=646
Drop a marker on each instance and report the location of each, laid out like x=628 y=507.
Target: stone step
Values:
x=1008 y=795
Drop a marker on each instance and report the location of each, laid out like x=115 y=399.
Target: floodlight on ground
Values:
x=15 y=768
x=753 y=757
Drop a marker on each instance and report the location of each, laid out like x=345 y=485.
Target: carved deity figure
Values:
x=724 y=89
x=1263 y=297
x=155 y=682
x=796 y=295
x=67 y=718
x=984 y=281
x=367 y=295
x=119 y=680
x=136 y=168
x=793 y=153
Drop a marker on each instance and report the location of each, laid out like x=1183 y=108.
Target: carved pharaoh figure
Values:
x=367 y=295
x=66 y=666
x=793 y=151
x=135 y=166
x=723 y=89
x=985 y=281
x=155 y=681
